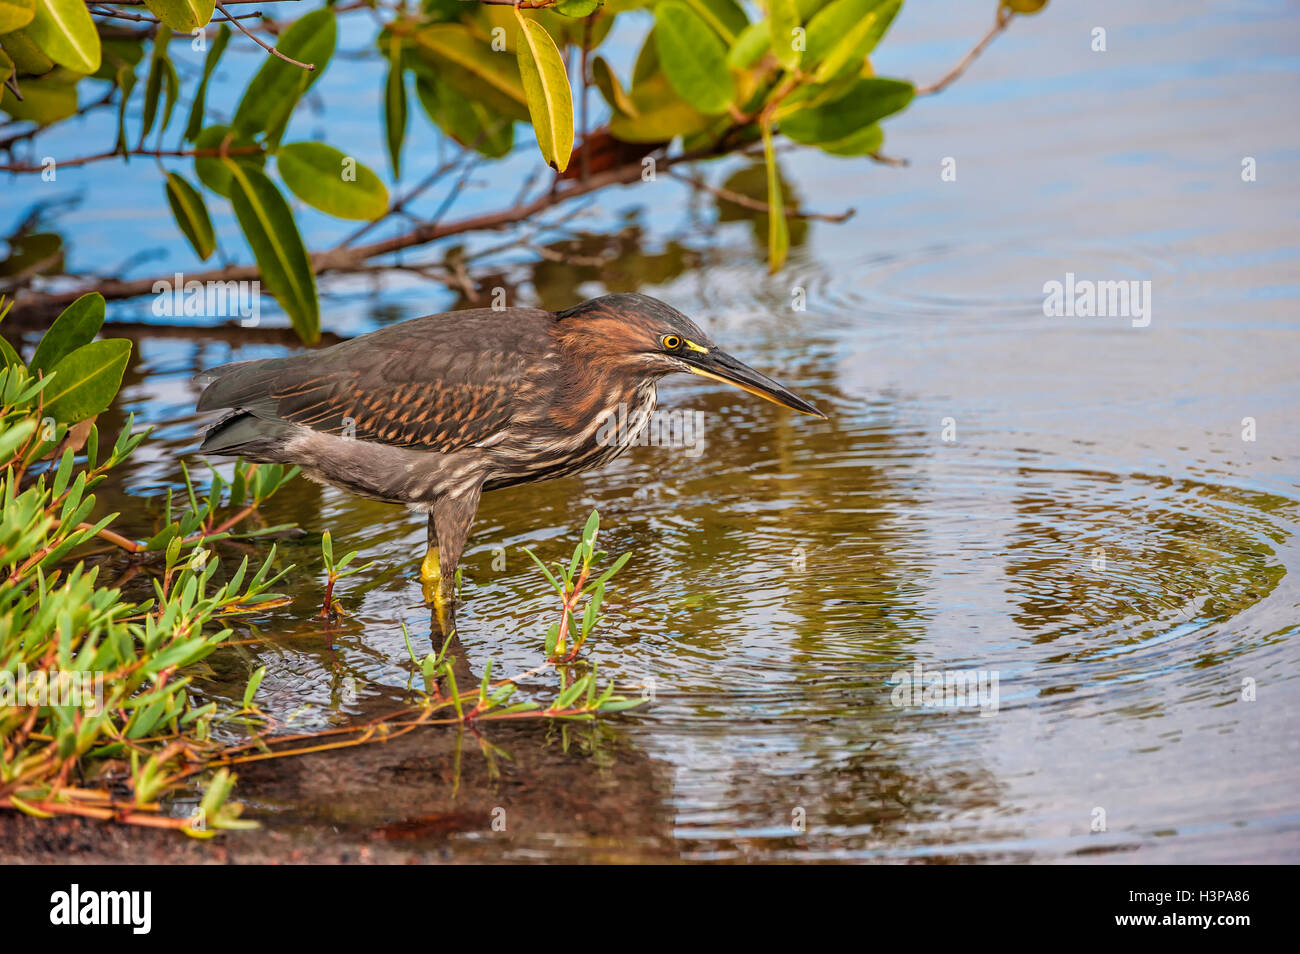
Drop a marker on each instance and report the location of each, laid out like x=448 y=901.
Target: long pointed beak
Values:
x=723 y=367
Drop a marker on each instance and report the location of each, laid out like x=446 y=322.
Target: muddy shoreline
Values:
x=401 y=802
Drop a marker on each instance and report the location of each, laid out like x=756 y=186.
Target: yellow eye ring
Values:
x=671 y=342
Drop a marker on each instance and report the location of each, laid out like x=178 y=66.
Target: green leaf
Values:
x=46 y=99
x=191 y=215
x=724 y=17
x=660 y=116
x=593 y=608
x=328 y=180
x=275 y=88
x=1024 y=6
x=843 y=33
x=693 y=58
x=65 y=32
x=117 y=52
x=546 y=87
x=184 y=16
x=272 y=234
x=646 y=64
x=864 y=142
x=254 y=682
x=808 y=7
x=158 y=64
x=172 y=85
x=577 y=8
x=27 y=56
x=620 y=705
x=866 y=101
x=395 y=105
x=750 y=45
x=125 y=83
x=473 y=68
x=195 y=123
x=8 y=358
x=607 y=82
x=564 y=30
x=14 y=435
x=521 y=707
x=77 y=325
x=778 y=230
x=589 y=534
x=617 y=565
x=570 y=695
x=467 y=122
x=33 y=250
x=784 y=15
x=211 y=170
x=549 y=575
x=86 y=380
x=15 y=14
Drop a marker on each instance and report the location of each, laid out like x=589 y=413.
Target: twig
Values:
x=570 y=604
x=524 y=241
x=555 y=255
x=888 y=160
x=1003 y=18
x=263 y=44
x=345 y=259
x=11 y=82
x=27 y=167
x=32 y=133
x=400 y=205
x=454 y=194
x=140 y=3
x=458 y=274
x=130 y=546
x=101 y=11
x=529 y=181
x=757 y=205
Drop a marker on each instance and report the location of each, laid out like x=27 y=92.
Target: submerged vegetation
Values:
x=100 y=714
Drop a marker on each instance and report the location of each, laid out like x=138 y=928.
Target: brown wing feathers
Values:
x=392 y=386
x=432 y=414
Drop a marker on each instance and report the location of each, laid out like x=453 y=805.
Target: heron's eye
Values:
x=671 y=342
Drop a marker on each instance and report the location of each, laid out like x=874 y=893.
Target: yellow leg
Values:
x=431 y=576
x=431 y=568
x=431 y=583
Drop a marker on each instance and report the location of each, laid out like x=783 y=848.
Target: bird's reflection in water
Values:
x=482 y=788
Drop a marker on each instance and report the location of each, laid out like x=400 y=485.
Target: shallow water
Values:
x=1067 y=503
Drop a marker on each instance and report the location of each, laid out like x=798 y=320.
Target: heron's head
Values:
x=639 y=335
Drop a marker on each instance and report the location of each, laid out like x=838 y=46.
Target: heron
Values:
x=432 y=412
